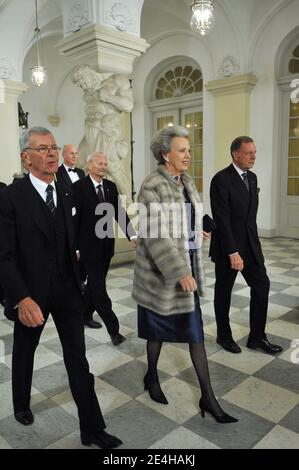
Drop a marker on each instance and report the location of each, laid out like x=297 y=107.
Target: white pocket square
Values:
x=73 y=211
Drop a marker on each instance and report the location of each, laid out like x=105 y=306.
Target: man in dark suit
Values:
x=97 y=247
x=235 y=246
x=68 y=173
x=39 y=274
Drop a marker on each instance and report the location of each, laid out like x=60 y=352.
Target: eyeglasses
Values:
x=45 y=148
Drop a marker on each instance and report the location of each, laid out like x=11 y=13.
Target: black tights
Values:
x=200 y=363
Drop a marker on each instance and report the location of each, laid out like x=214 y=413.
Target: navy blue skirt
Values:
x=177 y=328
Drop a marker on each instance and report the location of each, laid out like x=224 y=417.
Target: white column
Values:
x=10 y=163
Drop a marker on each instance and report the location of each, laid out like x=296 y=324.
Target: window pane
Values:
x=178 y=71
x=187 y=70
x=294 y=66
x=164 y=121
x=198 y=170
x=294 y=148
x=197 y=153
x=294 y=128
x=294 y=167
x=294 y=109
x=293 y=187
x=198 y=183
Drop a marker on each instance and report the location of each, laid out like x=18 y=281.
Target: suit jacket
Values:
x=2 y=185
x=63 y=177
x=234 y=210
x=94 y=249
x=27 y=250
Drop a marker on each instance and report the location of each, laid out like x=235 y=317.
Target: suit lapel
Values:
x=253 y=191
x=64 y=198
x=238 y=183
x=91 y=192
x=37 y=209
x=65 y=176
x=106 y=188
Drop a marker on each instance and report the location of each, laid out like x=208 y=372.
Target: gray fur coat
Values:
x=162 y=256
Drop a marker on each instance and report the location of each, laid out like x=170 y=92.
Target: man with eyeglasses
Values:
x=39 y=274
x=68 y=173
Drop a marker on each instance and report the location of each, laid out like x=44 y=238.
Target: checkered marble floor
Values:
x=261 y=390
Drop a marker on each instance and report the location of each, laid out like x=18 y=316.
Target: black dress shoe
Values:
x=117 y=338
x=93 y=324
x=229 y=345
x=265 y=345
x=101 y=439
x=24 y=417
x=220 y=418
x=154 y=390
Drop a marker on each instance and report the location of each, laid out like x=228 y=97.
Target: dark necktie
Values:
x=50 y=199
x=245 y=179
x=100 y=193
x=72 y=169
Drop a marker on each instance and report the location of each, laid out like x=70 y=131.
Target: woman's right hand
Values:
x=188 y=283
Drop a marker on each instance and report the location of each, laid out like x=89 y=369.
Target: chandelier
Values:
x=38 y=72
x=202 y=20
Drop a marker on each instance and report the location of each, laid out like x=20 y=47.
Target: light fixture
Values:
x=38 y=72
x=202 y=20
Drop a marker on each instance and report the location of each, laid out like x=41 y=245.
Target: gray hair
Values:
x=161 y=142
x=26 y=134
x=91 y=157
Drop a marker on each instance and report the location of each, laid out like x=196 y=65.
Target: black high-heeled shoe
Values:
x=223 y=418
x=154 y=390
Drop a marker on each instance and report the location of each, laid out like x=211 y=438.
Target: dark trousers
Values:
x=96 y=296
x=258 y=281
x=66 y=308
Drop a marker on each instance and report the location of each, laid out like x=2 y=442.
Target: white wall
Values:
x=265 y=112
x=60 y=96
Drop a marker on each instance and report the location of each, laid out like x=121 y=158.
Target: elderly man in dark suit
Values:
x=39 y=274
x=68 y=173
x=96 y=249
x=235 y=246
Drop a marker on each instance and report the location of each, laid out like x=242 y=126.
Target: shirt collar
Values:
x=68 y=167
x=96 y=183
x=240 y=172
x=39 y=184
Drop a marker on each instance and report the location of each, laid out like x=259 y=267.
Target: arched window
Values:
x=180 y=81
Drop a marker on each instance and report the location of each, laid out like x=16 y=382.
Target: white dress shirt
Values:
x=240 y=172
x=73 y=175
x=41 y=188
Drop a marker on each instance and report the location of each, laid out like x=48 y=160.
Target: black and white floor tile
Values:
x=261 y=390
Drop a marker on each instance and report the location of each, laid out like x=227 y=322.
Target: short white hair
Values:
x=91 y=157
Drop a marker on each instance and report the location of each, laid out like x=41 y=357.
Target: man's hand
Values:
x=29 y=313
x=236 y=262
x=188 y=283
x=206 y=235
x=133 y=243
